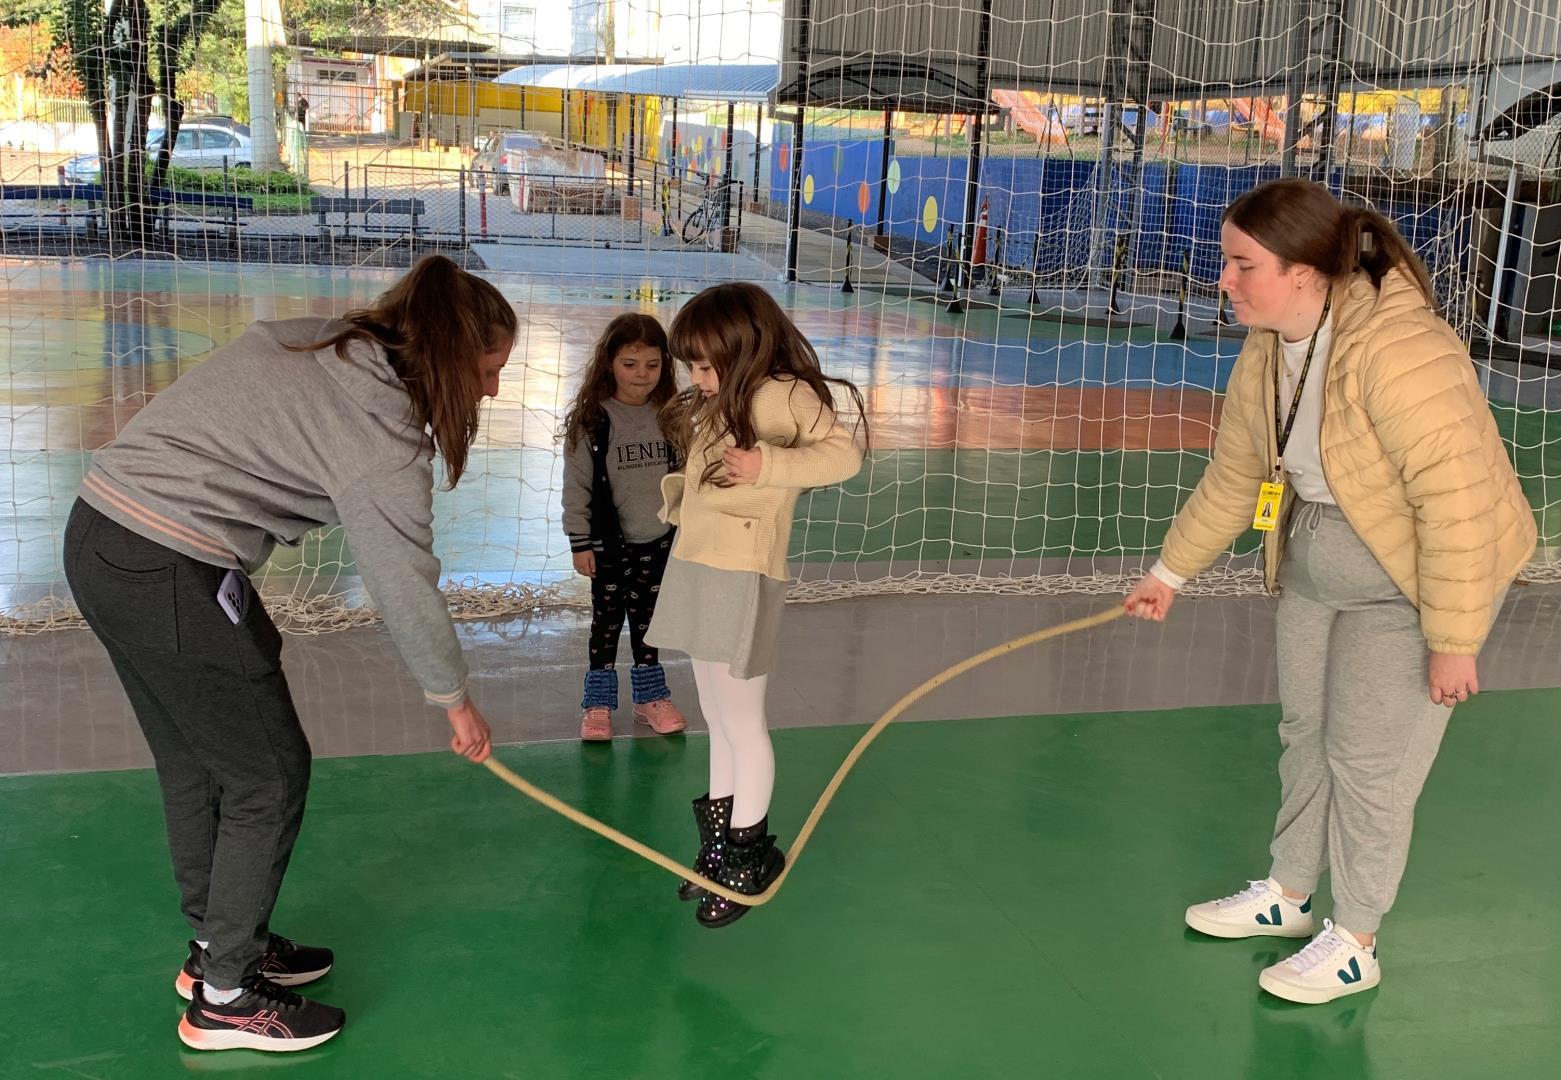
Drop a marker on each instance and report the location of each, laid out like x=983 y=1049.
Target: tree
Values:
x=125 y=56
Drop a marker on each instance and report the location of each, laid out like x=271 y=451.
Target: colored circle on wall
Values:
x=929 y=215
x=862 y=196
x=699 y=145
x=785 y=157
x=894 y=177
x=807 y=189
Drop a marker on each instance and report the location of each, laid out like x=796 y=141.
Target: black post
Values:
x=1179 y=331
x=883 y=175
x=1118 y=266
x=758 y=147
x=847 y=287
x=674 y=167
x=994 y=265
x=794 y=212
x=1295 y=89
x=1035 y=271
x=1333 y=47
x=634 y=123
x=949 y=257
x=726 y=173
x=973 y=167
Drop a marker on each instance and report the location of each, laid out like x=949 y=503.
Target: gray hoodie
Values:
x=259 y=444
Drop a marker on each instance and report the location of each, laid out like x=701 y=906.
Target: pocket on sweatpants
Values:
x=137 y=607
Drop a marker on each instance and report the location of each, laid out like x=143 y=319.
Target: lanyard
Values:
x=1282 y=434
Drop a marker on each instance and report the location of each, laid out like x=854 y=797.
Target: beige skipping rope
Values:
x=586 y=821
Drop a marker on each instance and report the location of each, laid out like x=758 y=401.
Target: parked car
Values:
x=200 y=144
x=493 y=157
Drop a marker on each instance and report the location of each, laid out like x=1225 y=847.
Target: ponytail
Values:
x=1372 y=244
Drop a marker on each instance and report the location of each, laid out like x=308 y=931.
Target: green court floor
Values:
x=987 y=898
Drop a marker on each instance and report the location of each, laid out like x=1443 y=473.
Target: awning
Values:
x=699 y=82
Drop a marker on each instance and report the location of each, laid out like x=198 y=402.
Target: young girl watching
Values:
x=615 y=456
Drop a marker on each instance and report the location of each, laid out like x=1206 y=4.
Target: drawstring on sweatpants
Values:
x=1311 y=514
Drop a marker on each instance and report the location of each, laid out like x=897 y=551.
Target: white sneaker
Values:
x=1259 y=910
x=1332 y=966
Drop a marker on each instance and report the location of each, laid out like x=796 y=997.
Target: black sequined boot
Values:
x=752 y=861
x=712 y=816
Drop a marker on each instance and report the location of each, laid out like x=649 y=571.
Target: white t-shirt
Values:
x=1303 y=456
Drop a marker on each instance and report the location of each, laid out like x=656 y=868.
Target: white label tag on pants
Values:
x=230 y=594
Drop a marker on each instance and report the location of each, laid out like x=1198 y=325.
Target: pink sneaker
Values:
x=596 y=724
x=662 y=717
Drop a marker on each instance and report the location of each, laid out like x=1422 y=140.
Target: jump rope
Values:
x=794 y=852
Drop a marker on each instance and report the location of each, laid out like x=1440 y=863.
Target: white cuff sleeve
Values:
x=1166 y=575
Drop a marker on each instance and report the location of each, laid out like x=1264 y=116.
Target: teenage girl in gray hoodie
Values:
x=297 y=424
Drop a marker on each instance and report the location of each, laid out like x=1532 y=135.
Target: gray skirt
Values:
x=724 y=616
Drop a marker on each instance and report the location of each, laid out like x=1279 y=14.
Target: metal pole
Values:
x=634 y=123
x=794 y=213
x=1116 y=89
x=758 y=146
x=1295 y=88
x=1500 y=273
x=973 y=166
x=883 y=173
x=726 y=173
x=1333 y=55
x=1140 y=42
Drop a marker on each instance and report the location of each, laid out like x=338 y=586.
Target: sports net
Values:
x=1024 y=200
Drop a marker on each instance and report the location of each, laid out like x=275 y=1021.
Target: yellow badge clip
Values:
x=1266 y=516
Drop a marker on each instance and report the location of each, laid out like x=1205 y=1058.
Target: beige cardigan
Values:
x=747 y=526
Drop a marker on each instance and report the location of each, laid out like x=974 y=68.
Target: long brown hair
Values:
x=435 y=325
x=741 y=331
x=599 y=384
x=1302 y=223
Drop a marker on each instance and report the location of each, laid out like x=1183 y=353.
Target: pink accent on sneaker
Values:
x=596 y=724
x=662 y=716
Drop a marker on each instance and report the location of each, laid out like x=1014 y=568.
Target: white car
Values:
x=495 y=159
x=199 y=145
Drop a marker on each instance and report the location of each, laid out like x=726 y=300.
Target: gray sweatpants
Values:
x=1358 y=727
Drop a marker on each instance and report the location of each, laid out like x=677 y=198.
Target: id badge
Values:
x=1269 y=496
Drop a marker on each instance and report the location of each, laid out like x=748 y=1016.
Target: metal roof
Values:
x=715 y=82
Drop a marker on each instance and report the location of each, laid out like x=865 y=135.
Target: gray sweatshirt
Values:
x=258 y=445
x=637 y=457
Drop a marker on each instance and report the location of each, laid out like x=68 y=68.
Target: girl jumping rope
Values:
x=756 y=428
x=615 y=457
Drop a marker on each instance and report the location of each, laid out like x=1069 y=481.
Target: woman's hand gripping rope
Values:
x=602 y=829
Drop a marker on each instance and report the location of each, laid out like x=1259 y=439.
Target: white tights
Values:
x=742 y=762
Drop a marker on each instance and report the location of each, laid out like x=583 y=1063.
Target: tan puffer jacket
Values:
x=1409 y=449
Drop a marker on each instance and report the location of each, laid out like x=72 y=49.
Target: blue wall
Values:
x=1055 y=197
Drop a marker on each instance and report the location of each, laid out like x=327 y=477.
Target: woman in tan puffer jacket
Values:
x=1355 y=431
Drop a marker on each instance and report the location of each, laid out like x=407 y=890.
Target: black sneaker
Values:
x=284 y=963
x=264 y=1017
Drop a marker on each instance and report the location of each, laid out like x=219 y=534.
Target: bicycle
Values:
x=707 y=221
